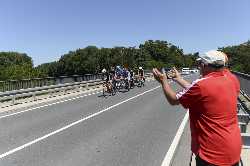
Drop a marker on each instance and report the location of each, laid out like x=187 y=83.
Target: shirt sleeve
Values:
x=189 y=96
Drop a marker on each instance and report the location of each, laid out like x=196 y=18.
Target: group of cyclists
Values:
x=119 y=77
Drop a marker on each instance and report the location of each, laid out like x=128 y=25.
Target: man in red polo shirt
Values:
x=212 y=104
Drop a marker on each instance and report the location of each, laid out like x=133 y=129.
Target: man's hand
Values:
x=175 y=74
x=159 y=76
x=168 y=91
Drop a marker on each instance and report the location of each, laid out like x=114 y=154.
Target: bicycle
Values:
x=140 y=82
x=108 y=88
x=132 y=83
x=126 y=84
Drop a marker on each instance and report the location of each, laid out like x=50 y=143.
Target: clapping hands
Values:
x=160 y=77
x=172 y=74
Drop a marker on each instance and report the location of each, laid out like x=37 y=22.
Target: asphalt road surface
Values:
x=134 y=128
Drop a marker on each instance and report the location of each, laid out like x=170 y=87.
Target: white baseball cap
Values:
x=213 y=57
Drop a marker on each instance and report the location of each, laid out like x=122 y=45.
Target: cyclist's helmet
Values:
x=104 y=70
x=118 y=67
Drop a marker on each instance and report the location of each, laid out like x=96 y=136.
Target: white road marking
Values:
x=62 y=101
x=72 y=124
x=31 y=109
x=169 y=156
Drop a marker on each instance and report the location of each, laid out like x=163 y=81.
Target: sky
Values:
x=47 y=29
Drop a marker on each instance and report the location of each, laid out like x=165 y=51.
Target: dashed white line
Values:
x=70 y=125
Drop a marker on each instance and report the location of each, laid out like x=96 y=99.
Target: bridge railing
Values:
x=11 y=85
x=244 y=117
x=244 y=82
x=51 y=89
x=14 y=95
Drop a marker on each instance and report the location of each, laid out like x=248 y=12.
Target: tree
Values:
x=15 y=65
x=239 y=57
x=152 y=53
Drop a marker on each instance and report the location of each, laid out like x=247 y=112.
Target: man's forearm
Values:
x=183 y=83
x=169 y=93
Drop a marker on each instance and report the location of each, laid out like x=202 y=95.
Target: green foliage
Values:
x=14 y=58
x=163 y=54
x=150 y=54
x=47 y=69
x=81 y=61
x=15 y=65
x=92 y=60
x=239 y=57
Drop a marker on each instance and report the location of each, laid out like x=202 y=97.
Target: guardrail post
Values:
x=50 y=94
x=64 y=91
x=34 y=96
x=13 y=99
x=87 y=86
x=78 y=88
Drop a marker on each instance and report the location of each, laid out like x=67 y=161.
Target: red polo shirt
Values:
x=212 y=103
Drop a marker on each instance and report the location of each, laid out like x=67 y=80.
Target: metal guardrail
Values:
x=244 y=82
x=246 y=140
x=244 y=119
x=33 y=92
x=11 y=85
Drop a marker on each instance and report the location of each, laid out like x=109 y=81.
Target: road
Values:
x=133 y=129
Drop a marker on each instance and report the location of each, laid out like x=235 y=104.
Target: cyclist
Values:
x=126 y=76
x=107 y=84
x=104 y=72
x=141 y=75
x=118 y=72
x=132 y=83
x=118 y=77
x=113 y=77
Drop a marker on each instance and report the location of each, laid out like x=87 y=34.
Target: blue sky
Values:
x=47 y=29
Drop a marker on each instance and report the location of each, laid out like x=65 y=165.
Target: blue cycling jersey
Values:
x=125 y=73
